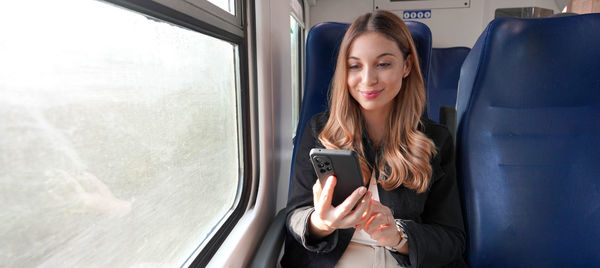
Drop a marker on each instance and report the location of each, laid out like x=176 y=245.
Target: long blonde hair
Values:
x=406 y=150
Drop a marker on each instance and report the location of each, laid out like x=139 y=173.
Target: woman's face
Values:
x=376 y=68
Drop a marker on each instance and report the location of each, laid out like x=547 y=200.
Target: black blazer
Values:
x=433 y=219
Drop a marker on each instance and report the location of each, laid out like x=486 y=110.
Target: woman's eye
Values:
x=354 y=66
x=384 y=64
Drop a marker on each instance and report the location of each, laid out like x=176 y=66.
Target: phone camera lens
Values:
x=322 y=171
x=328 y=168
x=326 y=163
x=321 y=165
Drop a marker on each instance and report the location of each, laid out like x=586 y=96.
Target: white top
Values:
x=364 y=252
x=361 y=236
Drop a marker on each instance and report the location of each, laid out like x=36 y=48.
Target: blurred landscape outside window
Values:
x=119 y=138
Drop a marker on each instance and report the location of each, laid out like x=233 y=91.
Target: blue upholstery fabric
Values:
x=444 y=70
x=322 y=47
x=528 y=143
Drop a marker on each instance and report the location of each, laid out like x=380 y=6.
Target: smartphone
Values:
x=344 y=165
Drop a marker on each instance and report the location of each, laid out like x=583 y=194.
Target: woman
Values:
x=410 y=214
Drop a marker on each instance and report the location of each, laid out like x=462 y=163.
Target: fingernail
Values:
x=362 y=190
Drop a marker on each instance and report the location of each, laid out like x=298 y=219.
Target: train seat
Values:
x=528 y=143
x=444 y=70
x=322 y=46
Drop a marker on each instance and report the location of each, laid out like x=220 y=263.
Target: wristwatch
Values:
x=404 y=236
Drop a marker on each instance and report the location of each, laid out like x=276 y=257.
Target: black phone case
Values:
x=341 y=163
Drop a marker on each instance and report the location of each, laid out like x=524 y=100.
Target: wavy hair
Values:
x=406 y=150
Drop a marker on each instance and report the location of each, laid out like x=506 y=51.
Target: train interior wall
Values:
x=275 y=129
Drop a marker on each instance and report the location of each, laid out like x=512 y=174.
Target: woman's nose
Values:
x=369 y=76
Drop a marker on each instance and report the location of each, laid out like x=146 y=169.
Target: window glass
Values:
x=296 y=60
x=119 y=136
x=227 y=5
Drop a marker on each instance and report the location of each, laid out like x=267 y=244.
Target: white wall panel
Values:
x=449 y=26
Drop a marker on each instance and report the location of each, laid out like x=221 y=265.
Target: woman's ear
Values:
x=407 y=66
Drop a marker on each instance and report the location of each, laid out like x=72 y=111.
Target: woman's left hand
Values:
x=381 y=225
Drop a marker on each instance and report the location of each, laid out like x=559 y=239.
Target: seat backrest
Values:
x=528 y=143
x=322 y=47
x=444 y=70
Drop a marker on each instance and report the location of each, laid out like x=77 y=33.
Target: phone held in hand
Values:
x=344 y=165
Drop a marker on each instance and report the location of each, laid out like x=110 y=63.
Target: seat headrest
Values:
x=443 y=78
x=539 y=61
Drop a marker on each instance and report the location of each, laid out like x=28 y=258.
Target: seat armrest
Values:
x=267 y=253
x=448 y=118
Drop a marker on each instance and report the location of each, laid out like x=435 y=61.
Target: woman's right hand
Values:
x=327 y=218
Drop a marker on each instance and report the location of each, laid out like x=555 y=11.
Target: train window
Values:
x=297 y=56
x=120 y=136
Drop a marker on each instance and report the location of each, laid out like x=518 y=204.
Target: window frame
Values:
x=208 y=22
x=222 y=14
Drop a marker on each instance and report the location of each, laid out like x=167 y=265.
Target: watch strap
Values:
x=404 y=236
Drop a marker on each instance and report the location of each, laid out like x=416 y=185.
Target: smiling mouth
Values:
x=370 y=94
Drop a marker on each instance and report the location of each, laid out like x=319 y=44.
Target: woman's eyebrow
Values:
x=386 y=54
x=380 y=55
